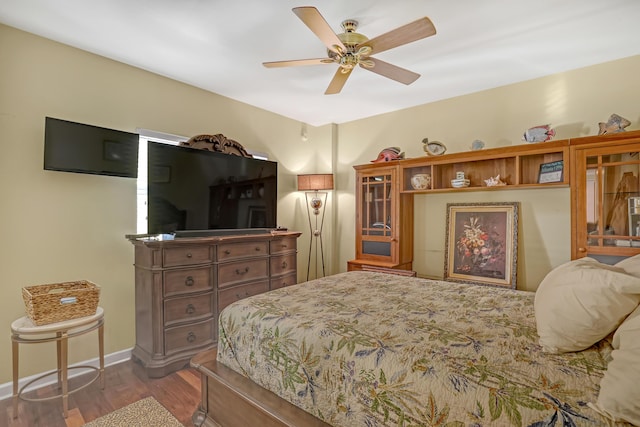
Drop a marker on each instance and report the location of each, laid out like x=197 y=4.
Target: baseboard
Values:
x=6 y=390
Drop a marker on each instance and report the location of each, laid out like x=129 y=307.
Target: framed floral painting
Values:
x=482 y=243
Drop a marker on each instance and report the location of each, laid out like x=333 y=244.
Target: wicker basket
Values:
x=57 y=302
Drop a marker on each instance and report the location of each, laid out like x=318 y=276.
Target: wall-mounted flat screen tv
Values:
x=198 y=190
x=82 y=148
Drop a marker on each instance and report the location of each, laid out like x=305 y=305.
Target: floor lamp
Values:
x=312 y=185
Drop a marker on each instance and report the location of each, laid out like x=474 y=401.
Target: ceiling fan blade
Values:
x=411 y=32
x=316 y=23
x=392 y=71
x=297 y=62
x=338 y=81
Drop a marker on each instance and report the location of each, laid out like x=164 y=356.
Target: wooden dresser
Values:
x=182 y=285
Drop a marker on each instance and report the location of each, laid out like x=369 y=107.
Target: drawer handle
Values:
x=284 y=264
x=245 y=271
x=189 y=255
x=191 y=337
x=227 y=252
x=283 y=245
x=190 y=309
x=189 y=281
x=257 y=248
x=246 y=294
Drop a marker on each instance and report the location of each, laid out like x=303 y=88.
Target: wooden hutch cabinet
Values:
x=605 y=195
x=384 y=219
x=602 y=171
x=181 y=286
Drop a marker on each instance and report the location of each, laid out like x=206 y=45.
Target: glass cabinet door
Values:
x=376 y=208
x=611 y=201
x=384 y=219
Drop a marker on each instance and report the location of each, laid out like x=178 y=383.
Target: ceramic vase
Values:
x=421 y=181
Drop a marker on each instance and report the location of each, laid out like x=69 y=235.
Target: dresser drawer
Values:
x=281 y=282
x=234 y=273
x=230 y=251
x=283 y=264
x=187 y=280
x=229 y=295
x=282 y=245
x=188 y=337
x=187 y=255
x=191 y=308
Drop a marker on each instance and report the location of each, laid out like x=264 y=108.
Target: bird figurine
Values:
x=389 y=154
x=615 y=124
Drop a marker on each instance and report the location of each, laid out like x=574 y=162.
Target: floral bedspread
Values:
x=374 y=349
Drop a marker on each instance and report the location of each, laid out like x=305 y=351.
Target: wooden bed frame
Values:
x=231 y=400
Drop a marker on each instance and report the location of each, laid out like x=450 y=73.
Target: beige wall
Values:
x=572 y=102
x=61 y=226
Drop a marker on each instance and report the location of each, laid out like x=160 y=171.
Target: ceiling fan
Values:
x=350 y=48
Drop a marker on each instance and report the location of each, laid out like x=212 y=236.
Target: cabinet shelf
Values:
x=472 y=188
x=518 y=166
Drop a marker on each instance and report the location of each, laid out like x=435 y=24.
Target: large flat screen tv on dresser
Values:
x=198 y=190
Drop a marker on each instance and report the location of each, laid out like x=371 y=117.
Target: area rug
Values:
x=147 y=412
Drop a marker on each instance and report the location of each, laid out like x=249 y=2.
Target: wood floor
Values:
x=125 y=383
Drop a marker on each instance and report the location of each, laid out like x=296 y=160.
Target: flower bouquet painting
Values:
x=481 y=245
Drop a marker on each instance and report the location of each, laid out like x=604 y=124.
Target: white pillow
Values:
x=631 y=265
x=582 y=301
x=627 y=335
x=619 y=397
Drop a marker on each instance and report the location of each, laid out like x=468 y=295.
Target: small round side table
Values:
x=23 y=331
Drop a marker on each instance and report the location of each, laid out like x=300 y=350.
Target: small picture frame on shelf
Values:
x=551 y=172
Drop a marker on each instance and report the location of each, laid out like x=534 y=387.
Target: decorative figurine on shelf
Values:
x=433 y=148
x=539 y=133
x=389 y=154
x=494 y=181
x=421 y=181
x=615 y=124
x=477 y=145
x=460 y=181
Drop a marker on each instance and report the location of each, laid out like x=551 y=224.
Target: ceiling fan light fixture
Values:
x=350 y=48
x=348 y=60
x=350 y=38
x=335 y=53
x=367 y=63
x=364 y=51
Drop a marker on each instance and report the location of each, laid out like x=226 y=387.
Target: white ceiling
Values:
x=220 y=46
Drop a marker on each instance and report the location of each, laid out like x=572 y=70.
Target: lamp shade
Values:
x=315 y=182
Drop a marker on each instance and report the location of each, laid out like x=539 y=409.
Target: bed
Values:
x=373 y=349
